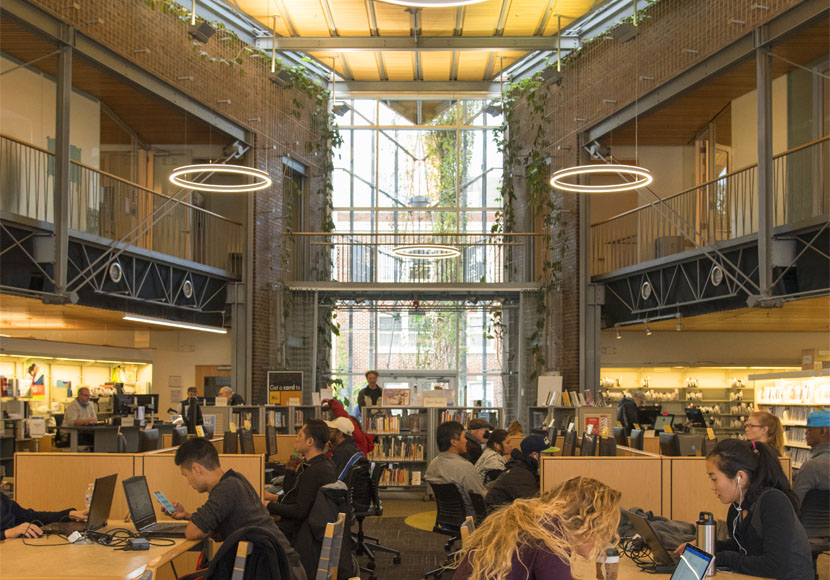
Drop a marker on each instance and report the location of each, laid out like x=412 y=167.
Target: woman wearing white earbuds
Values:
x=765 y=535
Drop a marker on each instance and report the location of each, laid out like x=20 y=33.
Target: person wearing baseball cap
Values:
x=342 y=445
x=521 y=478
x=815 y=472
x=477 y=433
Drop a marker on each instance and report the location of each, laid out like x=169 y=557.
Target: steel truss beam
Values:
x=420 y=43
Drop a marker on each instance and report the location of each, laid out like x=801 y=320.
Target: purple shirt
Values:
x=537 y=564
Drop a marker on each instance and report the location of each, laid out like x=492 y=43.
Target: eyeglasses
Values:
x=752 y=425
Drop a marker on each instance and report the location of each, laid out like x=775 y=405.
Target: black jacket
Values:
x=342 y=453
x=474 y=450
x=300 y=492
x=519 y=480
x=627 y=414
x=11 y=515
x=331 y=500
x=267 y=560
x=374 y=395
x=191 y=412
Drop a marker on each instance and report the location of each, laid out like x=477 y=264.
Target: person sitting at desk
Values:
x=302 y=483
x=765 y=535
x=80 y=411
x=16 y=521
x=814 y=472
x=766 y=428
x=233 y=398
x=540 y=537
x=493 y=456
x=232 y=502
x=343 y=448
x=476 y=434
x=521 y=480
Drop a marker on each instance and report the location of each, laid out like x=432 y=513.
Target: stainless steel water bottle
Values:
x=706 y=538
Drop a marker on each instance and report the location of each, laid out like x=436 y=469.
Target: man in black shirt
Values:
x=342 y=445
x=232 y=503
x=371 y=392
x=233 y=398
x=521 y=478
x=301 y=486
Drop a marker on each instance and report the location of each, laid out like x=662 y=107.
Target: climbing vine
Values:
x=524 y=104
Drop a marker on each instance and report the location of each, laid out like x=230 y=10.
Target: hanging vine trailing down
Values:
x=525 y=102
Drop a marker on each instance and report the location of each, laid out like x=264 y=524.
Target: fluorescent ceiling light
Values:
x=175 y=324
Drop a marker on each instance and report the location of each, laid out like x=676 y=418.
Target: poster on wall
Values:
x=34 y=383
x=283 y=386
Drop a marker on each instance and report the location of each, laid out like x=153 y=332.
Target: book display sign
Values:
x=285 y=387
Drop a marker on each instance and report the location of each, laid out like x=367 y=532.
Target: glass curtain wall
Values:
x=418 y=172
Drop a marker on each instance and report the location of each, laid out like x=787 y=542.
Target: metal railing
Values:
x=111 y=207
x=722 y=209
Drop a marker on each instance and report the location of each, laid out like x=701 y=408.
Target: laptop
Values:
x=692 y=565
x=143 y=514
x=99 y=510
x=643 y=527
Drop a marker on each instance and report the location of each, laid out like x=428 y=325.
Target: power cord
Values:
x=638 y=551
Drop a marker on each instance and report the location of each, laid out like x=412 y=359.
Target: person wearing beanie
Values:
x=521 y=479
x=815 y=472
x=477 y=433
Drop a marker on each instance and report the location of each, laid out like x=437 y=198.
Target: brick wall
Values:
x=608 y=70
x=256 y=104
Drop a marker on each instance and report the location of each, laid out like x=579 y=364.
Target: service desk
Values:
x=105 y=437
x=51 y=557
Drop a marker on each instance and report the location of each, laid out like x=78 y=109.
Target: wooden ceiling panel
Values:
x=350 y=17
x=399 y=66
x=523 y=17
x=393 y=20
x=362 y=65
x=472 y=65
x=310 y=21
x=438 y=21
x=436 y=65
x=264 y=12
x=481 y=19
x=19 y=315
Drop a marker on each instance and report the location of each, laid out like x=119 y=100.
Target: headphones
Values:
x=739 y=507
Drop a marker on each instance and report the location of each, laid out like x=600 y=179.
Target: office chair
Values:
x=620 y=437
x=709 y=446
x=365 y=502
x=230 y=443
x=479 y=506
x=607 y=447
x=669 y=445
x=636 y=439
x=246 y=441
x=569 y=446
x=179 y=436
x=589 y=445
x=449 y=518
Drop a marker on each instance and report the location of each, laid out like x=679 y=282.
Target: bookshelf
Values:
x=792 y=396
x=403 y=437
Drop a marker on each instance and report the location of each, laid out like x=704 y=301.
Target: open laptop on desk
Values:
x=142 y=513
x=643 y=527
x=99 y=510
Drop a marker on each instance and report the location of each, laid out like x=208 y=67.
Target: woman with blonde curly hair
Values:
x=536 y=539
x=766 y=428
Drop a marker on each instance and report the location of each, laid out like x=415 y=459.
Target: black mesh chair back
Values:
x=179 y=436
x=669 y=445
x=209 y=431
x=636 y=439
x=589 y=445
x=364 y=501
x=149 y=440
x=479 y=506
x=607 y=447
x=270 y=441
x=246 y=441
x=451 y=510
x=569 y=446
x=620 y=437
x=815 y=513
x=360 y=484
x=230 y=443
x=491 y=475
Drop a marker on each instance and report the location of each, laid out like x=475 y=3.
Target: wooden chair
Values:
x=330 y=554
x=467 y=528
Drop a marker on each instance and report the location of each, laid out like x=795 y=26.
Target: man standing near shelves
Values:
x=478 y=431
x=814 y=472
x=450 y=467
x=344 y=451
x=627 y=410
x=371 y=393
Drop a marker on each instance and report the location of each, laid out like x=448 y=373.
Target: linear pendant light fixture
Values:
x=426 y=251
x=179 y=178
x=175 y=323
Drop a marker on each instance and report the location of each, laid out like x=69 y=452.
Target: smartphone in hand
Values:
x=165 y=503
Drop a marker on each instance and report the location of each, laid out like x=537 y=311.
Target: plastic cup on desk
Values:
x=88 y=495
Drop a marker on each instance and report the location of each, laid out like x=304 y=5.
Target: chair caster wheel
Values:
x=371 y=565
x=396 y=560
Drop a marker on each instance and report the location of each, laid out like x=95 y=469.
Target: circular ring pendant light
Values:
x=642 y=178
x=180 y=176
x=426 y=251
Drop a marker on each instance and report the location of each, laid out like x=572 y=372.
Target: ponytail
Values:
x=758 y=461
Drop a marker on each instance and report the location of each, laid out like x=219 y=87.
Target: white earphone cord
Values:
x=739 y=509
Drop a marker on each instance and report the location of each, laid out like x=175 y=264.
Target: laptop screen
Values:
x=692 y=565
x=99 y=508
x=663 y=420
x=139 y=502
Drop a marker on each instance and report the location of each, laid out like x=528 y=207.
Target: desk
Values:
x=586 y=570
x=28 y=562
x=105 y=437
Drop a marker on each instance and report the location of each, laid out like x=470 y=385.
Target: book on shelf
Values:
x=397 y=449
x=382 y=424
x=396 y=477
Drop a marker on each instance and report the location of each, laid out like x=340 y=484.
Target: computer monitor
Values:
x=150 y=402
x=122 y=404
x=647 y=414
x=661 y=422
x=695 y=417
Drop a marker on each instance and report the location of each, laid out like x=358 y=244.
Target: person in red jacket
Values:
x=364 y=441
